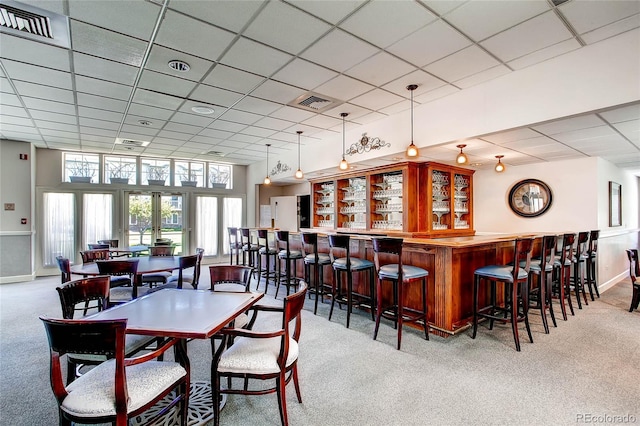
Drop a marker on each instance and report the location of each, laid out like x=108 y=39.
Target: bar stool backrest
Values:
x=581 y=245
x=391 y=246
x=282 y=241
x=522 y=253
x=548 y=250
x=593 y=242
x=263 y=238
x=65 y=269
x=93 y=255
x=634 y=266
x=233 y=237
x=340 y=242
x=245 y=236
x=565 y=247
x=310 y=239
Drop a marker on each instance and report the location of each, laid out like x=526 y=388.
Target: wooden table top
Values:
x=192 y=314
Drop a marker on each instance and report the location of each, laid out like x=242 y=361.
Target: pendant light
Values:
x=299 y=174
x=267 y=180
x=500 y=165
x=462 y=157
x=412 y=150
x=343 y=164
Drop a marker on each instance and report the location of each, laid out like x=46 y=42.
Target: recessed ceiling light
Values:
x=179 y=66
x=202 y=110
x=145 y=122
x=476 y=164
x=397 y=158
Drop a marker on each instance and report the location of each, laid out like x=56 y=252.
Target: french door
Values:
x=155 y=215
x=213 y=215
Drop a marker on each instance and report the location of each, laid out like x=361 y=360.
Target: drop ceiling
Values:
x=250 y=60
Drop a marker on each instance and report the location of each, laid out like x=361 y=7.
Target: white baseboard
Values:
x=17 y=279
x=613 y=281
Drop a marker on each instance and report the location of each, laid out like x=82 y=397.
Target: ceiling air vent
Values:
x=34 y=23
x=314 y=102
x=131 y=143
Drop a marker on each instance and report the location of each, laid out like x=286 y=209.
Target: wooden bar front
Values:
x=450 y=262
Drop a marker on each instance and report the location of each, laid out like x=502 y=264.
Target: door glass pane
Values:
x=231 y=216
x=171 y=220
x=139 y=219
x=58 y=227
x=207 y=225
x=97 y=218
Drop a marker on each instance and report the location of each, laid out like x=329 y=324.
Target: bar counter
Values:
x=450 y=262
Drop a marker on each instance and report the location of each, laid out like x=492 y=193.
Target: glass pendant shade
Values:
x=343 y=164
x=412 y=150
x=462 y=157
x=500 y=165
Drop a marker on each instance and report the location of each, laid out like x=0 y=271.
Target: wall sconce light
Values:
x=412 y=150
x=343 y=164
x=500 y=165
x=462 y=157
x=299 y=174
x=267 y=180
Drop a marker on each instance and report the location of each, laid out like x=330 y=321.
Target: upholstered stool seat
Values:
x=401 y=277
x=356 y=263
x=515 y=280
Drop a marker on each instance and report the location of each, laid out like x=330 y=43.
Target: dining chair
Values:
x=110 y=243
x=98 y=246
x=235 y=246
x=592 y=263
x=94 y=254
x=65 y=269
x=78 y=295
x=186 y=262
x=235 y=278
x=116 y=390
x=262 y=356
x=122 y=274
x=634 y=273
x=158 y=277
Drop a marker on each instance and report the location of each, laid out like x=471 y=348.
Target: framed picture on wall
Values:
x=615 y=204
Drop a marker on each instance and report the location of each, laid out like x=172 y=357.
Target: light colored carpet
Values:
x=587 y=366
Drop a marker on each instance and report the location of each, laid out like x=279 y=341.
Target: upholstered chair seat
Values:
x=256 y=356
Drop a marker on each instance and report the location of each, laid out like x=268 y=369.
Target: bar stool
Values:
x=249 y=250
x=288 y=256
x=634 y=273
x=401 y=276
x=541 y=269
x=268 y=252
x=318 y=261
x=579 y=259
x=348 y=265
x=562 y=272
x=592 y=263
x=234 y=245
x=515 y=280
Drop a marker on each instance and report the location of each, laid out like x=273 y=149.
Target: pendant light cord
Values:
x=411 y=116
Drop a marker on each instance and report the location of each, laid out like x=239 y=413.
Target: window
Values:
x=155 y=172
x=97 y=217
x=58 y=228
x=220 y=176
x=120 y=169
x=81 y=168
x=189 y=173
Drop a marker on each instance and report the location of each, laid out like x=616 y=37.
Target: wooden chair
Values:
x=186 y=262
x=265 y=249
x=514 y=278
x=290 y=258
x=158 y=277
x=83 y=292
x=163 y=242
x=249 y=249
x=312 y=258
x=232 y=278
x=579 y=260
x=401 y=277
x=592 y=263
x=117 y=390
x=634 y=273
x=122 y=275
x=110 y=243
x=261 y=355
x=235 y=246
x=98 y=246
x=65 y=269
x=89 y=256
x=345 y=264
x=562 y=272
x=541 y=270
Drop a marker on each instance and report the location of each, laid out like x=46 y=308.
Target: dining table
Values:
x=182 y=314
x=146 y=265
x=134 y=251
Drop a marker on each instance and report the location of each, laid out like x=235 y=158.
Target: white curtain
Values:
x=59 y=227
x=207 y=225
x=232 y=216
x=98 y=217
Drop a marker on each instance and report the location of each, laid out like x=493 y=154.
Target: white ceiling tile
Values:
x=630 y=130
x=370 y=118
x=21 y=112
x=276 y=91
x=256 y=105
x=156 y=99
x=612 y=29
x=292 y=114
x=193 y=119
x=101 y=124
x=545 y=53
x=18 y=121
x=178 y=136
x=154 y=125
x=103 y=69
x=588 y=15
x=569 y=124
x=137 y=22
x=354 y=111
x=339 y=51
x=396 y=108
x=99 y=103
x=187 y=34
x=436 y=94
x=442 y=7
x=334 y=14
x=482 y=19
x=215 y=95
x=258 y=131
x=287 y=20
x=244 y=138
x=511 y=135
x=160 y=57
x=273 y=123
x=45 y=105
x=49 y=116
x=542 y=31
x=213 y=133
x=379 y=69
x=148 y=132
x=9 y=99
x=44 y=92
x=164 y=83
x=150 y=112
x=102 y=88
x=29 y=52
x=232 y=15
x=304 y=74
x=107 y=44
x=59 y=130
x=433 y=42
x=233 y=79
x=482 y=76
x=626 y=113
x=343 y=88
x=254 y=57
x=12 y=125
x=322 y=121
x=462 y=64
x=5 y=86
x=227 y=126
x=35 y=74
x=378 y=21
x=573 y=137
x=238 y=116
x=95 y=131
x=376 y=99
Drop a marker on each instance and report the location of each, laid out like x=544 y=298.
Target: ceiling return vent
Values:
x=130 y=143
x=314 y=102
x=36 y=24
